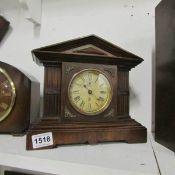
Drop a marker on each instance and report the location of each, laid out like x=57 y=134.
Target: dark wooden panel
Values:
x=165 y=74
x=52 y=92
x=52 y=78
x=4 y=25
x=123 y=93
x=123 y=79
x=123 y=106
x=51 y=105
x=16 y=173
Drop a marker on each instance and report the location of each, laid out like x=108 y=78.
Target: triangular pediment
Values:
x=89 y=48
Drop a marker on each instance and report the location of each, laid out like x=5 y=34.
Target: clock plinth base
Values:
x=127 y=130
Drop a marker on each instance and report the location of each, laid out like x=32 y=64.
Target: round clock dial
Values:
x=90 y=92
x=7 y=94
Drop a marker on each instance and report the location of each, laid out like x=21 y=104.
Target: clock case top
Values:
x=87 y=51
x=90 y=49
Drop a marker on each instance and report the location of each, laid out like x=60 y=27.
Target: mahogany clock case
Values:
x=63 y=60
x=26 y=103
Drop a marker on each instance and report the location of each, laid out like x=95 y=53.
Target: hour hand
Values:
x=89 y=91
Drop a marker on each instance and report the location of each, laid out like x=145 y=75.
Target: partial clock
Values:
x=7 y=94
x=19 y=100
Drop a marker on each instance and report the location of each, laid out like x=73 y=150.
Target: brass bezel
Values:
x=13 y=97
x=105 y=106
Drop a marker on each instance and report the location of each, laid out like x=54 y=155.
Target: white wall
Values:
x=126 y=23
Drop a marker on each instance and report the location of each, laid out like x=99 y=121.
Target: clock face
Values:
x=7 y=94
x=90 y=92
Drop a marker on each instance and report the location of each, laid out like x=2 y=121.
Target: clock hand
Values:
x=89 y=90
x=85 y=87
x=91 y=93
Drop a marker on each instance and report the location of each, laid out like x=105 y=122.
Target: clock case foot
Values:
x=127 y=130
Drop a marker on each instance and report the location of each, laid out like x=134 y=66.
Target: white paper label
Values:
x=42 y=140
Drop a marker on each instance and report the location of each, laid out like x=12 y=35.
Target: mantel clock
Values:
x=86 y=93
x=19 y=100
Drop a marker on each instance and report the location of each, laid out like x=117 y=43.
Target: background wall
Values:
x=126 y=23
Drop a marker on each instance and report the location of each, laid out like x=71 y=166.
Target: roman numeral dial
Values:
x=90 y=92
x=7 y=94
